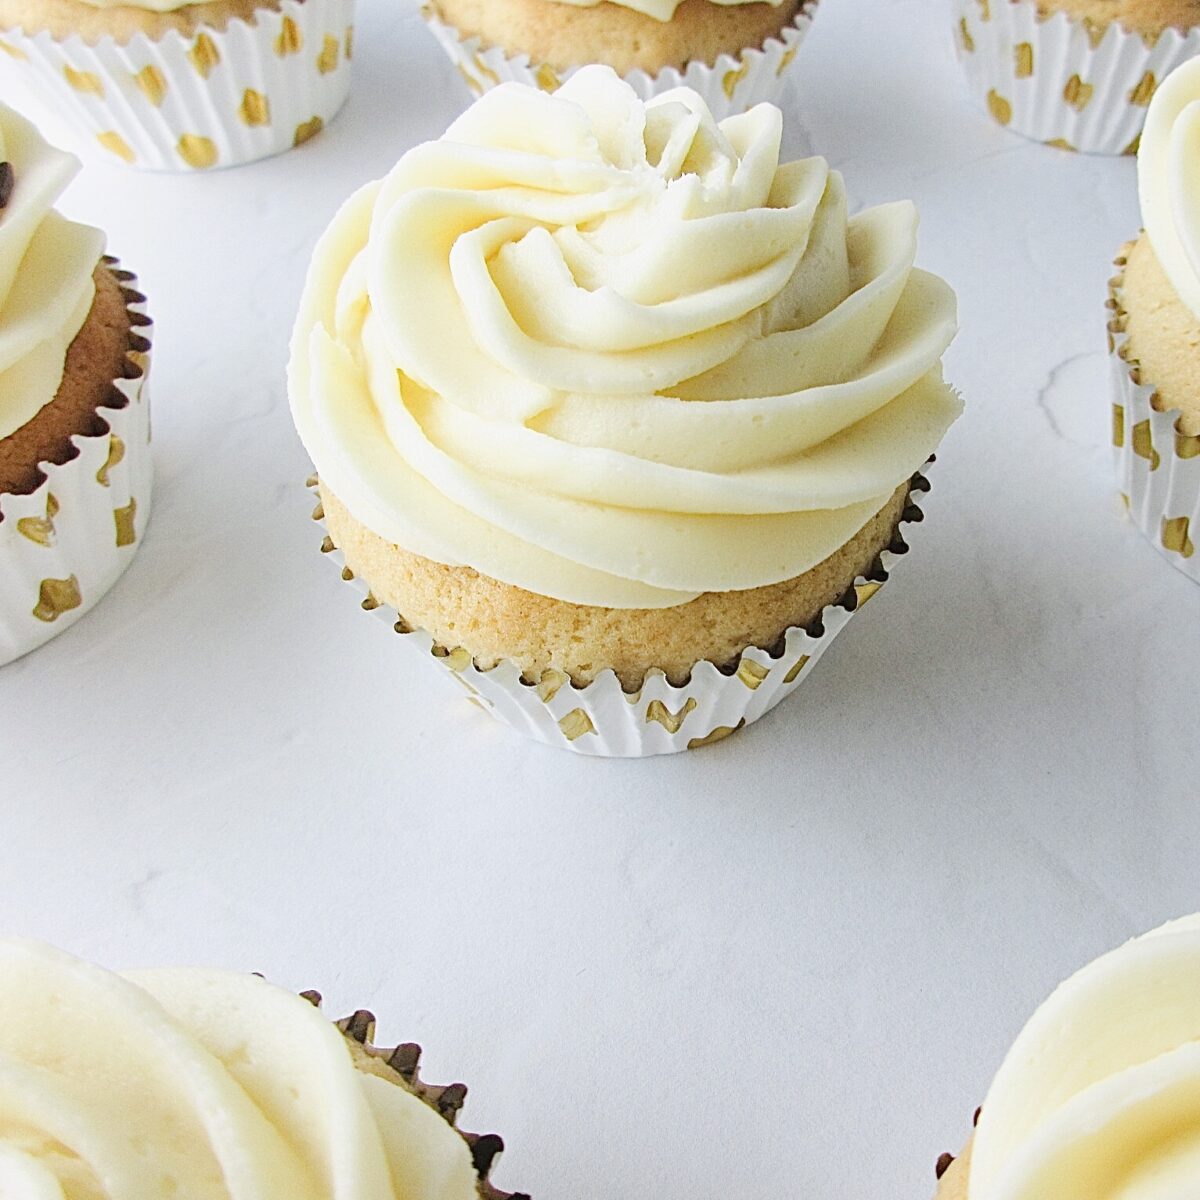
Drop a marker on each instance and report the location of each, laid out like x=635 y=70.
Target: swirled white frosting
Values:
x=46 y=266
x=201 y=1085
x=661 y=10
x=615 y=353
x=1099 y=1098
x=1169 y=179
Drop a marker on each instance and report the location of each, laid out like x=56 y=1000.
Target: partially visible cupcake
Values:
x=75 y=467
x=1154 y=331
x=168 y=85
x=622 y=416
x=1099 y=1097
x=733 y=52
x=1077 y=74
x=212 y=1085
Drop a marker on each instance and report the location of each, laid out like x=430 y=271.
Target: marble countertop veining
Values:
x=786 y=966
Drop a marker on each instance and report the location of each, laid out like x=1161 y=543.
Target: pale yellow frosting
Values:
x=157 y=6
x=660 y=10
x=46 y=266
x=1099 y=1098
x=1169 y=179
x=199 y=1085
x=614 y=353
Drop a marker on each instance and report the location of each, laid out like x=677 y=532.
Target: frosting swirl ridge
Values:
x=198 y=1083
x=46 y=266
x=1169 y=179
x=616 y=353
x=1099 y=1097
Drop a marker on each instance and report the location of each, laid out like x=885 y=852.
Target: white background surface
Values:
x=783 y=967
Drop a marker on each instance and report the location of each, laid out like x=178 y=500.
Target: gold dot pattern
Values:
x=796 y=668
x=84 y=81
x=1077 y=93
x=204 y=55
x=307 y=131
x=999 y=107
x=255 y=108
x=125 y=521
x=1143 y=444
x=197 y=151
x=116 y=452
x=1118 y=425
x=151 y=84
x=1176 y=536
x=114 y=143
x=752 y=674
x=12 y=51
x=732 y=78
x=1023 y=53
x=1144 y=92
x=718 y=735
x=327 y=60
x=290 y=39
x=576 y=724
x=57 y=596
x=671 y=722
x=40 y=530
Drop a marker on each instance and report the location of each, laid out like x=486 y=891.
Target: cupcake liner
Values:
x=1158 y=465
x=1065 y=81
x=446 y=1099
x=63 y=546
x=215 y=98
x=732 y=84
x=602 y=719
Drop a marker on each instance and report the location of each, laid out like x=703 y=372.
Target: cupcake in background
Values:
x=213 y=1085
x=735 y=53
x=168 y=85
x=75 y=467
x=1154 y=331
x=621 y=415
x=1077 y=74
x=1099 y=1097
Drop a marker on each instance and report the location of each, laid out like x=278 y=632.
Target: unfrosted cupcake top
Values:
x=1099 y=1097
x=46 y=266
x=1169 y=179
x=660 y=10
x=615 y=353
x=199 y=1084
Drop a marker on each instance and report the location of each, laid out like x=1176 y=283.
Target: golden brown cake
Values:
x=1147 y=17
x=562 y=35
x=62 y=18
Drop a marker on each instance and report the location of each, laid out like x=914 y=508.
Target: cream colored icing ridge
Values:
x=660 y=10
x=202 y=1084
x=1169 y=179
x=155 y=6
x=46 y=265
x=615 y=353
x=1099 y=1097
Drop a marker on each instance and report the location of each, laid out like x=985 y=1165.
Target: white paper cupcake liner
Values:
x=604 y=720
x=63 y=546
x=1062 y=80
x=1158 y=465
x=734 y=83
x=216 y=98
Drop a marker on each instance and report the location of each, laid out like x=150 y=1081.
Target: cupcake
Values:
x=215 y=1086
x=733 y=52
x=1077 y=74
x=614 y=414
x=174 y=86
x=1099 y=1097
x=1154 y=331
x=74 y=418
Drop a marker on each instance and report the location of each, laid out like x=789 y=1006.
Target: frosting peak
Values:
x=46 y=266
x=1099 y=1097
x=616 y=353
x=201 y=1084
x=1169 y=179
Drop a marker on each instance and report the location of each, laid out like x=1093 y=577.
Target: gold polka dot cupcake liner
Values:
x=732 y=84
x=604 y=720
x=1158 y=464
x=1069 y=82
x=218 y=98
x=64 y=546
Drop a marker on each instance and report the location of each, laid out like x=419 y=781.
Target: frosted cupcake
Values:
x=214 y=1086
x=619 y=413
x=1099 y=1097
x=1154 y=331
x=174 y=86
x=74 y=418
x=1077 y=74
x=733 y=52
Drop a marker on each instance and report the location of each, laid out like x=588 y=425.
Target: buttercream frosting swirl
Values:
x=46 y=266
x=154 y=6
x=1169 y=179
x=615 y=353
x=202 y=1084
x=662 y=10
x=1099 y=1097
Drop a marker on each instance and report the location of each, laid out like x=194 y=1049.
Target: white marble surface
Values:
x=783 y=967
